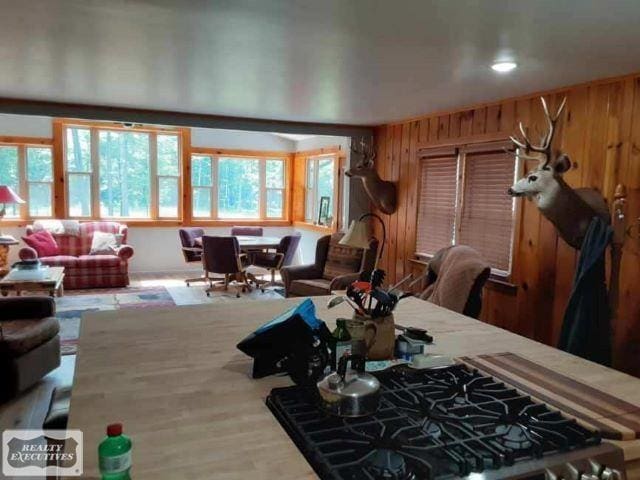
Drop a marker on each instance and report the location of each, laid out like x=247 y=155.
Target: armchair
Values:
x=29 y=342
x=335 y=267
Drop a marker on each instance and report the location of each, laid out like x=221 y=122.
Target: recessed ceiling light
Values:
x=504 y=67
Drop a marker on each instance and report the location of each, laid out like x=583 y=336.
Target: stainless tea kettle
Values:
x=349 y=393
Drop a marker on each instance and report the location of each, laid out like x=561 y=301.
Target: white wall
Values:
x=322 y=141
x=158 y=248
x=209 y=137
x=25 y=126
x=307 y=246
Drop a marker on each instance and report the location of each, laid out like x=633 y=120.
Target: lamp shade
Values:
x=357 y=235
x=7 y=195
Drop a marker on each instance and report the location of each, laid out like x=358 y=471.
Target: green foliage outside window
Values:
x=9 y=175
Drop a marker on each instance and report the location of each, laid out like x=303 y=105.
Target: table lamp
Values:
x=358 y=236
x=7 y=196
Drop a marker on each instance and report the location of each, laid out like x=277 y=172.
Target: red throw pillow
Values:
x=43 y=243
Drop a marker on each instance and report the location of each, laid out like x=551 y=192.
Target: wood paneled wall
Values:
x=600 y=131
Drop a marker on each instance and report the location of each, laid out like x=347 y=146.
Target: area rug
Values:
x=71 y=307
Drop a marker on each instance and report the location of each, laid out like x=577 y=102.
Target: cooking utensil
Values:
x=356 y=296
x=335 y=301
x=349 y=392
x=386 y=302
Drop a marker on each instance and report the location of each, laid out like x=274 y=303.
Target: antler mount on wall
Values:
x=382 y=193
x=570 y=210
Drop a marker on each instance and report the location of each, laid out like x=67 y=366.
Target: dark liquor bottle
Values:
x=340 y=343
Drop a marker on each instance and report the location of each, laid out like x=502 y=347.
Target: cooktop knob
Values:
x=589 y=476
x=611 y=474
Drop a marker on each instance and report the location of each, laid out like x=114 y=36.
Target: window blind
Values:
x=437 y=207
x=486 y=221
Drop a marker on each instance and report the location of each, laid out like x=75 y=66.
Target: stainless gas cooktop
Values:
x=441 y=424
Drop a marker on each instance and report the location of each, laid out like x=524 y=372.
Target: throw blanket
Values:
x=58 y=227
x=457 y=269
x=586 y=328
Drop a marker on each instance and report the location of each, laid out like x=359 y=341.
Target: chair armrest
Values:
x=298 y=272
x=243 y=261
x=192 y=249
x=341 y=282
x=18 y=308
x=27 y=253
x=125 y=252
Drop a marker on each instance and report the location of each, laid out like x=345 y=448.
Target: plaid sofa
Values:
x=81 y=269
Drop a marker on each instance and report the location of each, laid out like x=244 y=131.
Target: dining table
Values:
x=257 y=243
x=248 y=242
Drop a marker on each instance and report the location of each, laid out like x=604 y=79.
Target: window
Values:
x=463 y=200
x=320 y=182
x=122 y=173
x=275 y=186
x=28 y=170
x=237 y=187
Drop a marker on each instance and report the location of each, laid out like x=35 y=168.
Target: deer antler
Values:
x=368 y=152
x=546 y=139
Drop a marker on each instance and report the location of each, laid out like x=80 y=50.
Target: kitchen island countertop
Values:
x=183 y=391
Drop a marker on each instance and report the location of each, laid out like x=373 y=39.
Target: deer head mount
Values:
x=383 y=194
x=570 y=210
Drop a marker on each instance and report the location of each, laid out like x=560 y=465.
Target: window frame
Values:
x=313 y=191
x=262 y=156
x=94 y=173
x=22 y=144
x=460 y=152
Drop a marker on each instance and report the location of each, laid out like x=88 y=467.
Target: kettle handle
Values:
x=357 y=364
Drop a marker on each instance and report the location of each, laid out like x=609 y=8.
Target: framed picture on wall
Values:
x=323 y=211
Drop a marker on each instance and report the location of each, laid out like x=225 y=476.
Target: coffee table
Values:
x=52 y=283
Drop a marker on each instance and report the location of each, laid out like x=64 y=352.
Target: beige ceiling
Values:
x=336 y=61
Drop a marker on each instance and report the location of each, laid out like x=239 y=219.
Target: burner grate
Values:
x=431 y=424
